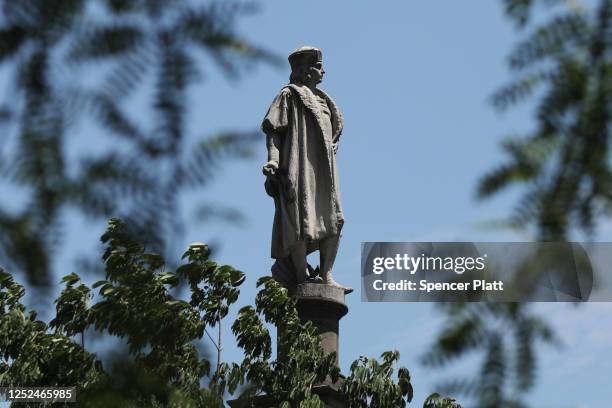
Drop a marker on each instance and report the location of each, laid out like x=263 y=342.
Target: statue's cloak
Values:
x=306 y=192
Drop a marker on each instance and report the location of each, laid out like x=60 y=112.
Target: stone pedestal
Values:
x=324 y=306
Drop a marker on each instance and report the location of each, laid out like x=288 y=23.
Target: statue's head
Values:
x=306 y=65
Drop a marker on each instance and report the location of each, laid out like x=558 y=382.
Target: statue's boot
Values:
x=328 y=280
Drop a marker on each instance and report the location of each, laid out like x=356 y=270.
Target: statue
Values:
x=303 y=127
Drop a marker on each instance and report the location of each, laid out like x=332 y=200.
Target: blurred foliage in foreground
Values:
x=124 y=69
x=564 y=164
x=506 y=335
x=163 y=367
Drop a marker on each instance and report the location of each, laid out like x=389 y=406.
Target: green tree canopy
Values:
x=164 y=366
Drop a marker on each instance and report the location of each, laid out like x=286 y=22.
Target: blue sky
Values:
x=413 y=81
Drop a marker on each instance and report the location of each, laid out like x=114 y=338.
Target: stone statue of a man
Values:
x=303 y=127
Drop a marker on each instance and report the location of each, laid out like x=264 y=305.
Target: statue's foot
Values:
x=330 y=281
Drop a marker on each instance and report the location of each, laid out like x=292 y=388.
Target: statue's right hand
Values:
x=269 y=169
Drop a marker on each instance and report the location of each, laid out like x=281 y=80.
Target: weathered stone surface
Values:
x=303 y=127
x=324 y=306
x=318 y=290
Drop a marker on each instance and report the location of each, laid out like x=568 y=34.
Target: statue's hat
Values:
x=305 y=55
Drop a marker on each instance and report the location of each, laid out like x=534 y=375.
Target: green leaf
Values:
x=237 y=277
x=99 y=283
x=168 y=278
x=71 y=279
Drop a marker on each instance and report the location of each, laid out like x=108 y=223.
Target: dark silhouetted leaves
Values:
x=106 y=42
x=150 y=51
x=505 y=335
x=10 y=41
x=564 y=163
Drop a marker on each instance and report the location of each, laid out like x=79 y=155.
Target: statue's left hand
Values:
x=335 y=147
x=269 y=169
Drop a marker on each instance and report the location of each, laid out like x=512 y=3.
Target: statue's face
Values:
x=316 y=71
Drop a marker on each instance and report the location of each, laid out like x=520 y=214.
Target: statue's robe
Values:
x=305 y=189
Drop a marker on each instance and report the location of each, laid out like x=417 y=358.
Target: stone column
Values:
x=324 y=306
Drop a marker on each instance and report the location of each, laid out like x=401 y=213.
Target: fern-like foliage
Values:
x=563 y=166
x=505 y=336
x=145 y=53
x=564 y=163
